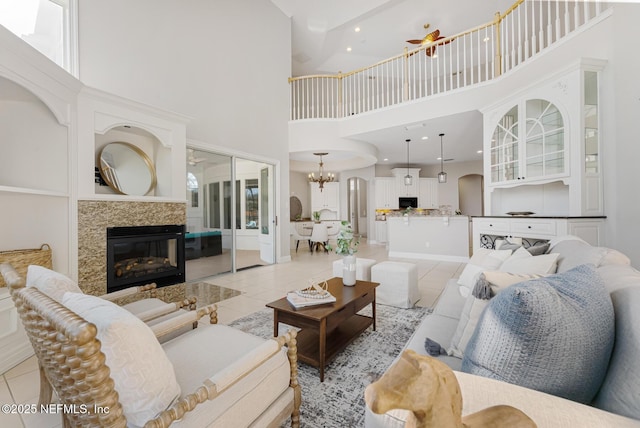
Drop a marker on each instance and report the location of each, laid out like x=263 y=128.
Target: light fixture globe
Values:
x=442 y=176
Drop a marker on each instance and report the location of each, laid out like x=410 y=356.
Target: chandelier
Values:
x=442 y=176
x=322 y=179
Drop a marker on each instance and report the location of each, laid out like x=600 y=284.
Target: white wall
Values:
x=620 y=135
x=299 y=187
x=224 y=63
x=448 y=192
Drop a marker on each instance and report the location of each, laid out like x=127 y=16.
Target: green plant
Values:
x=316 y=215
x=346 y=241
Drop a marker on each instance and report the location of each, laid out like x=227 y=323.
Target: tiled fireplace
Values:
x=95 y=217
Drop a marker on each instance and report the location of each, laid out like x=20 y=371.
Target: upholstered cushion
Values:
x=521 y=261
x=471 y=312
x=492 y=282
x=482 y=259
x=620 y=391
x=142 y=373
x=552 y=334
x=51 y=283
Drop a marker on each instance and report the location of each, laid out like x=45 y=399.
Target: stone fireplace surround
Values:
x=93 y=219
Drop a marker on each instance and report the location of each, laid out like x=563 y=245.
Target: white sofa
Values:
x=617 y=403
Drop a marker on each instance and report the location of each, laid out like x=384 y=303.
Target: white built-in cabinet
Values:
x=403 y=189
x=543 y=148
x=428 y=195
x=487 y=229
x=386 y=195
x=327 y=199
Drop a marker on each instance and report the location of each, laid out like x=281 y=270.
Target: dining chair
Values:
x=319 y=236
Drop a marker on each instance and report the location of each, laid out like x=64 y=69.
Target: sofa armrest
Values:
x=546 y=410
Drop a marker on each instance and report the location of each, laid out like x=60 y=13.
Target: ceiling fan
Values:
x=431 y=37
x=192 y=160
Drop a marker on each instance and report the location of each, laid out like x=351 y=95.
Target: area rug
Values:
x=338 y=402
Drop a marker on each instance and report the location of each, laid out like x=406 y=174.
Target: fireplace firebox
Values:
x=138 y=255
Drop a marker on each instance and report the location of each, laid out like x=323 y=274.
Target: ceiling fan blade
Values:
x=415 y=42
x=432 y=37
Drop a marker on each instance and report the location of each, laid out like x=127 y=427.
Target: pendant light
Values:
x=442 y=176
x=408 y=179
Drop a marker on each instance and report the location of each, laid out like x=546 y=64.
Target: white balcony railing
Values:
x=462 y=60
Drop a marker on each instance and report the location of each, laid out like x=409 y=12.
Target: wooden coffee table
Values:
x=327 y=329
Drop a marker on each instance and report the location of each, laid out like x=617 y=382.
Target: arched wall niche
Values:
x=143 y=139
x=33 y=139
x=13 y=84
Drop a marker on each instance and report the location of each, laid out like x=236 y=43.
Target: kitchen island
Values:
x=429 y=237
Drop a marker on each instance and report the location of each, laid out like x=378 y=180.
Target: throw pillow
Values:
x=482 y=259
x=523 y=262
x=538 y=249
x=552 y=334
x=469 y=317
x=488 y=285
x=51 y=283
x=142 y=373
x=574 y=252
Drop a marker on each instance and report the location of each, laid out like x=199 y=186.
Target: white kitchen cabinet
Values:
x=327 y=199
x=381 y=232
x=428 y=196
x=487 y=229
x=402 y=189
x=385 y=193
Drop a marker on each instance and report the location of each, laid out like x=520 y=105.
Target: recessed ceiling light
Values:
x=385 y=159
x=357 y=29
x=438 y=158
x=479 y=151
x=425 y=138
x=348 y=48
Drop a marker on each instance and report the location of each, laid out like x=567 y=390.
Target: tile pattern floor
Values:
x=258 y=286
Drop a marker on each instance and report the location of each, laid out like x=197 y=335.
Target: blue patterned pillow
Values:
x=553 y=334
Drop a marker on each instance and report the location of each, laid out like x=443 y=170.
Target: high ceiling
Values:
x=323 y=30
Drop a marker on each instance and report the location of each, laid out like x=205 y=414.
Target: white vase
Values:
x=349 y=270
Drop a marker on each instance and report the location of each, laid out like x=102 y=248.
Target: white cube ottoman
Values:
x=363 y=268
x=398 y=284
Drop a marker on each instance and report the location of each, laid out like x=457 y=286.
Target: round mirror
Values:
x=127 y=169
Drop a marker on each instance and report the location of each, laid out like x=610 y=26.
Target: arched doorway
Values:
x=471 y=194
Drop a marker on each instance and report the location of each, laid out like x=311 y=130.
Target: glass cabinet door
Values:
x=544 y=140
x=504 y=148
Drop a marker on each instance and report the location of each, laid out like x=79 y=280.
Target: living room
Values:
x=150 y=57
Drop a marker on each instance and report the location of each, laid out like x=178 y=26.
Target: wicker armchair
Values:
x=248 y=381
x=166 y=320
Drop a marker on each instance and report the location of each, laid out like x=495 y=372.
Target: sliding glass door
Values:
x=230 y=207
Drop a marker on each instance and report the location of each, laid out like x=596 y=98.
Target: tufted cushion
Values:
x=552 y=334
x=142 y=373
x=51 y=283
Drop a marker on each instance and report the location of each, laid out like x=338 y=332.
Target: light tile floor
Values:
x=259 y=286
